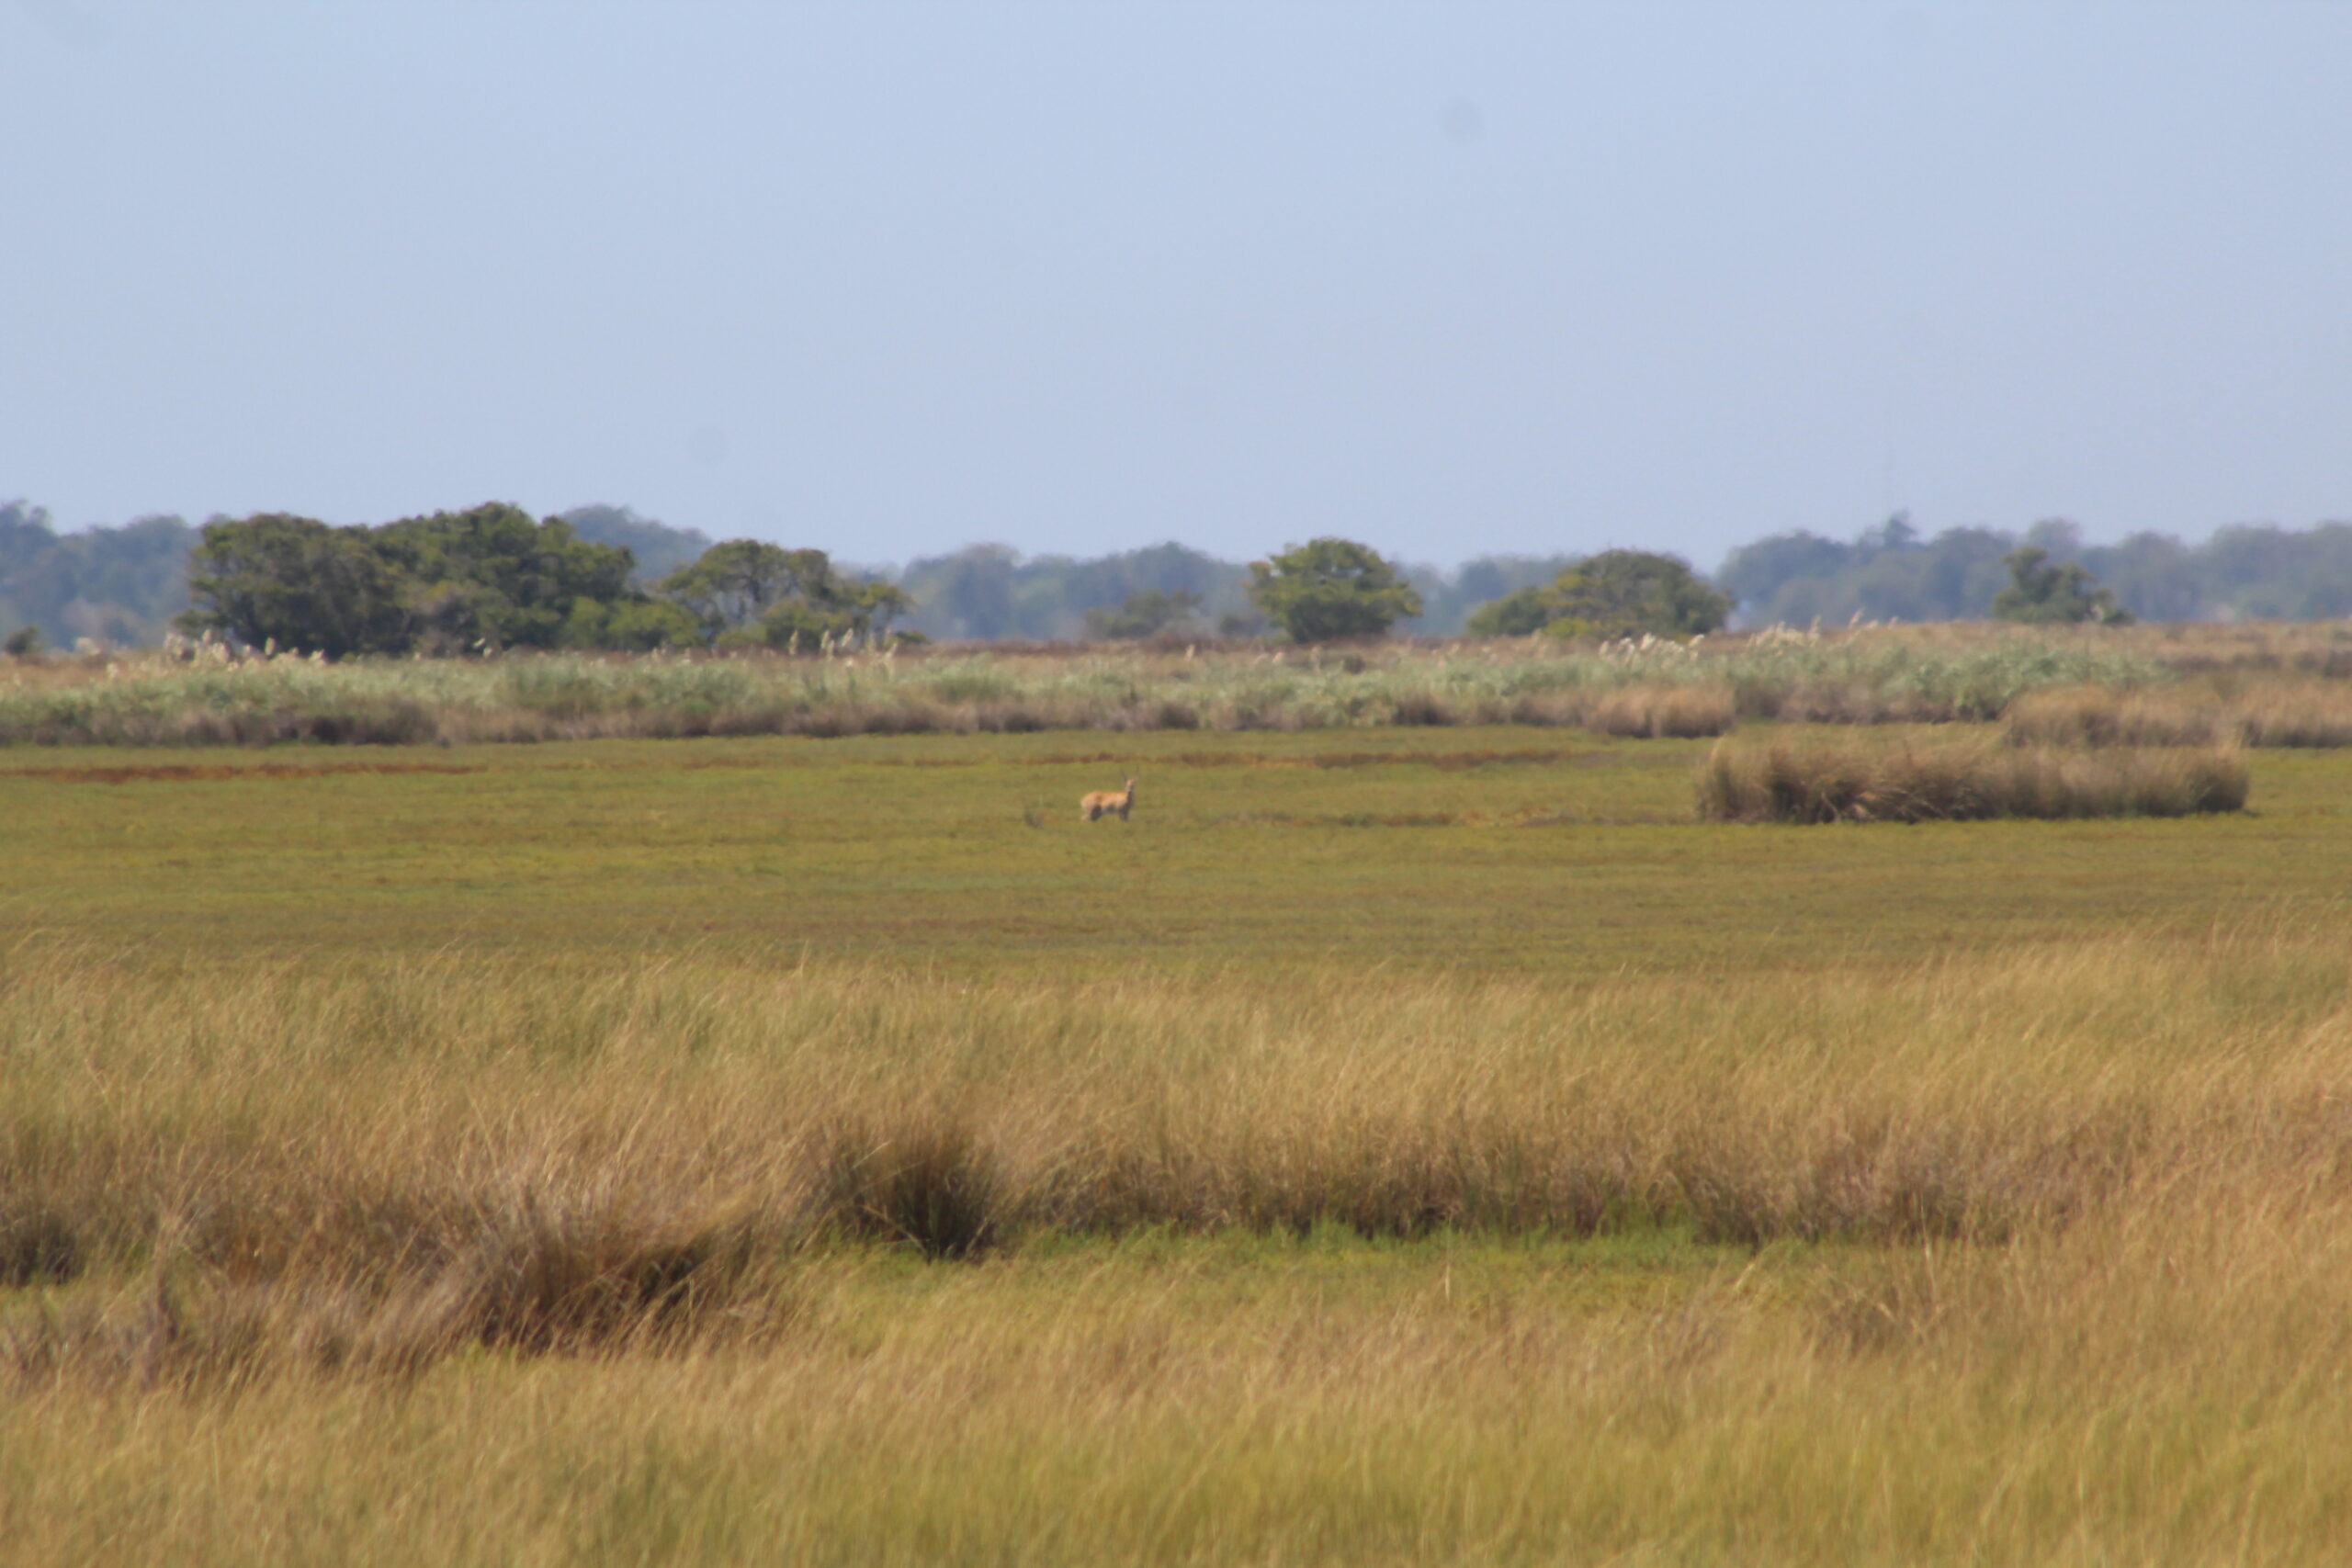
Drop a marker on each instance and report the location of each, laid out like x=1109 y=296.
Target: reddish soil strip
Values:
x=185 y=772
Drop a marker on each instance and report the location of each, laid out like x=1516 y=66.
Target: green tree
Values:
x=749 y=591
x=2042 y=594
x=492 y=577
x=1615 y=593
x=296 y=582
x=488 y=578
x=737 y=583
x=1521 y=613
x=861 y=610
x=1331 y=588
x=635 y=625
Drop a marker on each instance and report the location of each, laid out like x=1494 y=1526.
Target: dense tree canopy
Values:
x=490 y=578
x=2041 y=593
x=1331 y=588
x=1615 y=593
x=746 y=591
x=494 y=577
x=297 y=584
x=738 y=582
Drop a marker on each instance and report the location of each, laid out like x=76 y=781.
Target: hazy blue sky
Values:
x=1453 y=279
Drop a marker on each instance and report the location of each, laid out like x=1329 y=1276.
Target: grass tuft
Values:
x=1823 y=783
x=39 y=1246
x=2280 y=713
x=925 y=1182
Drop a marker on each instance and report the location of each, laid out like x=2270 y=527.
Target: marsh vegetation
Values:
x=1427 y=1144
x=204 y=695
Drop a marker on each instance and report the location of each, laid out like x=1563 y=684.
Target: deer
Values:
x=1103 y=803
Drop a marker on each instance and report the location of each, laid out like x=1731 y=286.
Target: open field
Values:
x=1432 y=1145
x=1477 y=850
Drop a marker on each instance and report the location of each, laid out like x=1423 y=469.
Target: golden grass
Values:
x=435 y=1261
x=1826 y=782
x=2270 y=713
x=465 y=1131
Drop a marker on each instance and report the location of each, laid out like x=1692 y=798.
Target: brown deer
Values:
x=1103 y=803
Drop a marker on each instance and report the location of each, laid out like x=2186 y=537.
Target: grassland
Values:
x=1421 y=1144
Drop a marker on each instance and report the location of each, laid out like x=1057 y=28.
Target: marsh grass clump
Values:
x=2302 y=713
x=2287 y=712
x=1424 y=708
x=1656 y=711
x=532 y=1272
x=927 y=1182
x=1823 y=783
x=547 y=1271
x=38 y=1244
x=2094 y=715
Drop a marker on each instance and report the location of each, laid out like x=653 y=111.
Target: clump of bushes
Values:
x=1849 y=783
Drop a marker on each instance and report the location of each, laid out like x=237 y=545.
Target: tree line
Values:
x=603 y=577
x=494 y=578
x=1896 y=572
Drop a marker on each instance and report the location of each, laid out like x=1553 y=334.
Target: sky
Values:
x=1453 y=279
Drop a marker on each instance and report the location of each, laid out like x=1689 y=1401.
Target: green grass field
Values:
x=1473 y=850
x=1392 y=1145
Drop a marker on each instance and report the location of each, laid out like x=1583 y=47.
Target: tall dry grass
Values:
x=383 y=1165
x=2288 y=712
x=441 y=1262
x=1824 y=782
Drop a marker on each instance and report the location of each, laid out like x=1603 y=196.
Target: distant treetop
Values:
x=1616 y=594
x=1331 y=588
